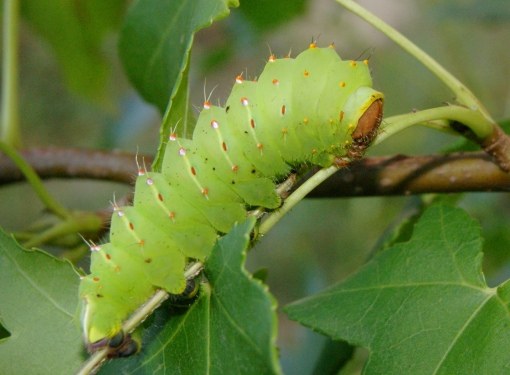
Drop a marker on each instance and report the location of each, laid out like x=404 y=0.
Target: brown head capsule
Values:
x=366 y=129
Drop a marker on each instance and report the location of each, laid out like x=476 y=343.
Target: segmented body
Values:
x=310 y=109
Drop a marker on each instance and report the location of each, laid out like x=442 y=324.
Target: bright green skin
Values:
x=302 y=109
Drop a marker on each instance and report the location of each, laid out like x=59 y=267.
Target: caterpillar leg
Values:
x=119 y=346
x=283 y=189
x=191 y=290
x=122 y=345
x=179 y=303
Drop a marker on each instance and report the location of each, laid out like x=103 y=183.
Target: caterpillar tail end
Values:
x=97 y=337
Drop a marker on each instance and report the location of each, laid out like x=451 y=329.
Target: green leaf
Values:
x=38 y=301
x=267 y=14
x=420 y=307
x=75 y=31
x=155 y=45
x=177 y=119
x=333 y=357
x=156 y=40
x=229 y=329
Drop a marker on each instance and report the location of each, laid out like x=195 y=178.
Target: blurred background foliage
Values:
x=74 y=93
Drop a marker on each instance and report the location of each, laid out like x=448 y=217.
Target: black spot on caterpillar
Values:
x=311 y=109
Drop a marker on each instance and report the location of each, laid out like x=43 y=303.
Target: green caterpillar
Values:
x=314 y=109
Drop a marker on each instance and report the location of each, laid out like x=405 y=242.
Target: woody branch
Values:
x=374 y=176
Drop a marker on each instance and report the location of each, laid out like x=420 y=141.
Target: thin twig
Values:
x=296 y=197
x=474 y=120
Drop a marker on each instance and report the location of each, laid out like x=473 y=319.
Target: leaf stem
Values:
x=474 y=120
x=34 y=180
x=462 y=93
x=296 y=197
x=9 y=131
x=77 y=222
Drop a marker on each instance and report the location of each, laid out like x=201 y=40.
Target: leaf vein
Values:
x=459 y=334
x=37 y=287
